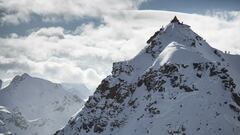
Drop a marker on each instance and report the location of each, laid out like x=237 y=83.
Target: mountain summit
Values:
x=175 y=20
x=177 y=85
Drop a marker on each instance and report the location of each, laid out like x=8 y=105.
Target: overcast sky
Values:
x=77 y=40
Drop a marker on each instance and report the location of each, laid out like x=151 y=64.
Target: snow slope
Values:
x=177 y=85
x=44 y=106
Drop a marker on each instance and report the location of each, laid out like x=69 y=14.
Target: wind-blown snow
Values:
x=179 y=54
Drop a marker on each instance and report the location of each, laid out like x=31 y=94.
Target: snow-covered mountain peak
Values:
x=178 y=32
x=44 y=105
x=175 y=43
x=177 y=85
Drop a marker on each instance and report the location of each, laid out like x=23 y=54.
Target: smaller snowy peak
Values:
x=27 y=80
x=46 y=106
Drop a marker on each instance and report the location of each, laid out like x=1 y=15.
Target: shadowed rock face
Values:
x=177 y=84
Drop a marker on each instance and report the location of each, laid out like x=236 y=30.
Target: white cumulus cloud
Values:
x=17 y=11
x=86 y=54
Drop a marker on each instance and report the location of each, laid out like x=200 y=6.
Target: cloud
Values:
x=15 y=12
x=86 y=54
x=50 y=32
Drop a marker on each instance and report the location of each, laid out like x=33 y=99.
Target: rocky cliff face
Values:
x=177 y=84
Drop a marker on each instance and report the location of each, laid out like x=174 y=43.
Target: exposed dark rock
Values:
x=234 y=108
x=217 y=53
x=152 y=37
x=175 y=20
x=121 y=67
x=236 y=98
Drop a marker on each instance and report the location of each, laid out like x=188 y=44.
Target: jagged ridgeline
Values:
x=177 y=84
